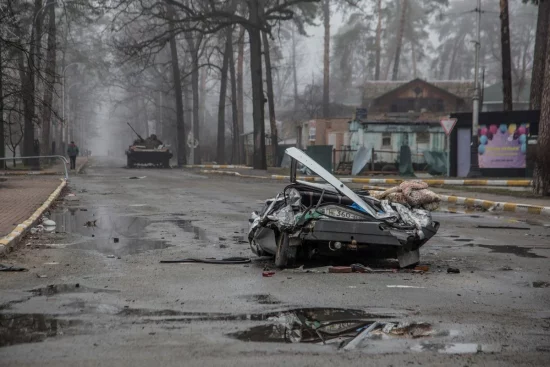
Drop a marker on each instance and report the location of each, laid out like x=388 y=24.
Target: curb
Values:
x=29 y=173
x=216 y=166
x=231 y=173
x=495 y=206
x=82 y=166
x=397 y=181
x=9 y=241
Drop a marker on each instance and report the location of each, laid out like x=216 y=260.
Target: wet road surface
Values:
x=96 y=294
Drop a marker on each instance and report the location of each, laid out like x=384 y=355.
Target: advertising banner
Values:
x=502 y=145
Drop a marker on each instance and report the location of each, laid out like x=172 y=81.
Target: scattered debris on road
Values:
x=224 y=261
x=342 y=328
x=330 y=220
x=453 y=271
x=4 y=267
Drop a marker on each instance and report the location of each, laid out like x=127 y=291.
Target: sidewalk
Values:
x=21 y=196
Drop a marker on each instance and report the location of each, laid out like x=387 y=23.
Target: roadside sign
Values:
x=447 y=124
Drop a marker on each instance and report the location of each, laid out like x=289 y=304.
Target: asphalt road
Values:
x=96 y=294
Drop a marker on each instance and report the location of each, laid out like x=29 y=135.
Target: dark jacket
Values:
x=72 y=150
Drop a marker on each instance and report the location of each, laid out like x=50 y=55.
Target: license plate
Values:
x=339 y=213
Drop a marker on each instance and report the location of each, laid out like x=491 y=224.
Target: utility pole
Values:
x=474 y=163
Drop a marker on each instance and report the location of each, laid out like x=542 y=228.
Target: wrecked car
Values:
x=308 y=220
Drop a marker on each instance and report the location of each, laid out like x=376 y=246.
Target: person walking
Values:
x=72 y=151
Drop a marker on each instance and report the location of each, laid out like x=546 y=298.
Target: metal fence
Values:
x=382 y=161
x=36 y=163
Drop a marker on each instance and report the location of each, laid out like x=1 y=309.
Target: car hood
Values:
x=299 y=156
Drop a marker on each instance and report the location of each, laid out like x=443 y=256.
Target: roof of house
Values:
x=404 y=118
x=493 y=93
x=460 y=88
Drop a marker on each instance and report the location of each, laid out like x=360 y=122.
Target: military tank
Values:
x=148 y=152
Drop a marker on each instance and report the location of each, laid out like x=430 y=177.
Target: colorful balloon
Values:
x=523 y=148
x=481 y=149
x=493 y=129
x=511 y=129
x=483 y=131
x=523 y=138
x=522 y=129
x=503 y=128
x=490 y=135
x=483 y=139
x=516 y=135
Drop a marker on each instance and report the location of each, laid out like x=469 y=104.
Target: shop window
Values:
x=386 y=140
x=423 y=138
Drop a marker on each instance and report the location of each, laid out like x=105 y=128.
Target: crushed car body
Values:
x=309 y=219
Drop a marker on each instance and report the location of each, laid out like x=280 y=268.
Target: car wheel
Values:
x=285 y=255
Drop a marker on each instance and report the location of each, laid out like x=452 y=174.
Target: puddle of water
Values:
x=124 y=246
x=541 y=284
x=262 y=299
x=31 y=328
x=113 y=234
x=516 y=250
x=99 y=223
x=187 y=226
x=456 y=348
x=327 y=314
x=53 y=289
x=310 y=328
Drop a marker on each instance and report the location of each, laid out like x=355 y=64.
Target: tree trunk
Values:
x=220 y=157
x=50 y=82
x=2 y=136
x=506 y=56
x=399 y=39
x=234 y=111
x=294 y=71
x=202 y=96
x=180 y=127
x=326 y=59
x=240 y=93
x=413 y=56
x=258 y=100
x=27 y=83
x=194 y=41
x=539 y=58
x=541 y=177
x=378 y=41
x=270 y=101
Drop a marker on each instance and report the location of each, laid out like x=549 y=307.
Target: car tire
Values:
x=285 y=255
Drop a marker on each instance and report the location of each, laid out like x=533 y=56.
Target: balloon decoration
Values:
x=481 y=149
x=503 y=128
x=493 y=129
x=523 y=139
x=490 y=135
x=483 y=139
x=523 y=148
x=511 y=129
x=483 y=131
x=522 y=129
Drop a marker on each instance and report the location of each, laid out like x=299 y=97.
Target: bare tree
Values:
x=537 y=79
x=270 y=98
x=506 y=56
